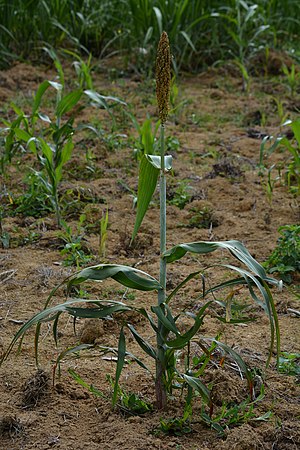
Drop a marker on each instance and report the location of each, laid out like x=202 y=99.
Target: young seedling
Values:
x=103 y=233
x=51 y=142
x=164 y=323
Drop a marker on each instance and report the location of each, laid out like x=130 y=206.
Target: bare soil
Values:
x=219 y=129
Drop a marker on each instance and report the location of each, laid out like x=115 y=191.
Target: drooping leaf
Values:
x=237 y=358
x=125 y=275
x=97 y=313
x=159 y=18
x=101 y=100
x=51 y=313
x=155 y=161
x=236 y=248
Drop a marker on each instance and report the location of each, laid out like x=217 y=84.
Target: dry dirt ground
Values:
x=219 y=129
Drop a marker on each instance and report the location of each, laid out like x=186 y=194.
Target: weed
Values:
x=292 y=78
x=75 y=252
x=103 y=233
x=203 y=218
x=181 y=195
x=289 y=363
x=130 y=403
x=35 y=201
x=236 y=414
x=285 y=258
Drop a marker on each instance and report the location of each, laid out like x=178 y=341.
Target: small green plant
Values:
x=239 y=19
x=290 y=167
x=130 y=403
x=103 y=233
x=285 y=258
x=282 y=115
x=75 y=252
x=203 y=218
x=235 y=414
x=289 y=363
x=292 y=78
x=181 y=195
x=179 y=425
x=50 y=139
x=35 y=201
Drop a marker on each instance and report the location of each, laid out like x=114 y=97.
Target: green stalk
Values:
x=161 y=395
x=55 y=193
x=163 y=82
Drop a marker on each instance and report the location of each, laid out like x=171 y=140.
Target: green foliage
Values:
x=235 y=414
x=181 y=195
x=203 y=218
x=245 y=24
x=179 y=425
x=75 y=252
x=162 y=318
x=217 y=32
x=292 y=78
x=289 y=169
x=35 y=201
x=289 y=363
x=285 y=258
x=50 y=138
x=130 y=403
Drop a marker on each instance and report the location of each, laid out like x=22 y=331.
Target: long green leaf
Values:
x=120 y=364
x=148 y=176
x=96 y=313
x=49 y=314
x=68 y=102
x=182 y=340
x=84 y=384
x=237 y=358
x=145 y=346
x=40 y=92
x=198 y=386
x=236 y=248
x=125 y=275
x=168 y=324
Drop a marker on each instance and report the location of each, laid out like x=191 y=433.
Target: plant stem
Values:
x=55 y=158
x=161 y=395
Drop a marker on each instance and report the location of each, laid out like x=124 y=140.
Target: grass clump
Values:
x=285 y=258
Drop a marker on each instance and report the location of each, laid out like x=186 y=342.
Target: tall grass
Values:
x=195 y=28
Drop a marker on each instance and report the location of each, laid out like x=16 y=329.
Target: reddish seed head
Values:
x=163 y=76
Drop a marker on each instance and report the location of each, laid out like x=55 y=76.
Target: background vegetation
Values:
x=202 y=32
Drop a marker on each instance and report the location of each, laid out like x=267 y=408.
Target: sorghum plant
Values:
x=161 y=319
